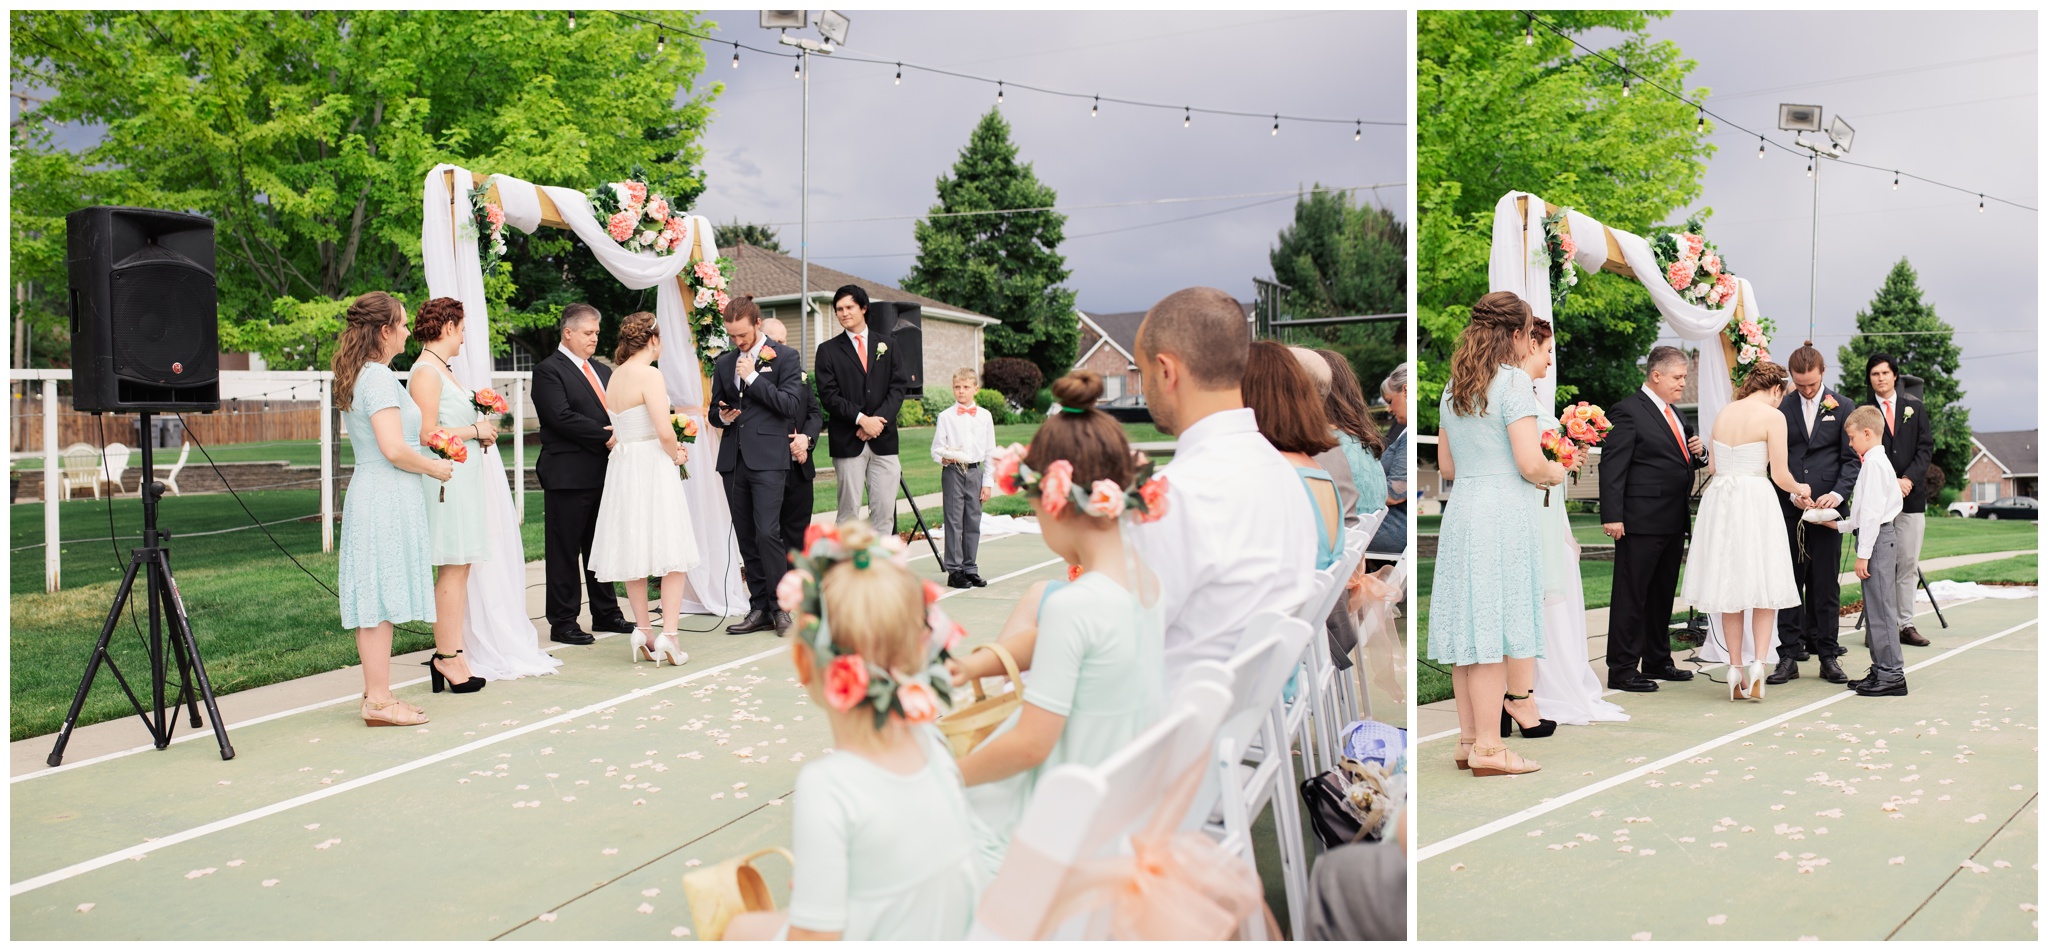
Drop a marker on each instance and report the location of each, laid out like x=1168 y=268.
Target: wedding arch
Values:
x=454 y=268
x=1520 y=262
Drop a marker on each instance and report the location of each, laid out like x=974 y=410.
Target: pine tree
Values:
x=760 y=236
x=1006 y=266
x=1345 y=260
x=1900 y=324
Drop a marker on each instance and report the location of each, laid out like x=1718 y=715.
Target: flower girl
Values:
x=643 y=523
x=883 y=836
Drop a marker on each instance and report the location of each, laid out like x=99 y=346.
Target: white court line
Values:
x=51 y=878
x=230 y=822
x=1506 y=822
x=351 y=698
x=1609 y=693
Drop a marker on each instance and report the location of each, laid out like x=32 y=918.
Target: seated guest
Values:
x=882 y=833
x=1229 y=545
x=1332 y=461
x=1095 y=654
x=1393 y=533
x=1357 y=435
x=1283 y=400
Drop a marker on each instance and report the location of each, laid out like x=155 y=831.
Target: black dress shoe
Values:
x=617 y=625
x=571 y=635
x=782 y=622
x=1831 y=671
x=1788 y=669
x=1858 y=683
x=1668 y=672
x=1883 y=685
x=955 y=579
x=756 y=620
x=1911 y=635
x=1631 y=682
x=975 y=580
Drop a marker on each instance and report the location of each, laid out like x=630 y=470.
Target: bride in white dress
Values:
x=643 y=522
x=1740 y=560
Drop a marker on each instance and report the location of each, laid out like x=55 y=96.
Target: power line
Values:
x=1700 y=105
x=1003 y=85
x=1108 y=204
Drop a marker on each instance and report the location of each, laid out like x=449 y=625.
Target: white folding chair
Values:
x=1255 y=677
x=1078 y=813
x=81 y=468
x=170 y=479
x=116 y=466
x=1318 y=685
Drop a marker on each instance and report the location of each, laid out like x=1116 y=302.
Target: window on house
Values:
x=1984 y=492
x=1112 y=387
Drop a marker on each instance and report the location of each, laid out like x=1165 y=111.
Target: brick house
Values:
x=1109 y=346
x=2003 y=467
x=953 y=336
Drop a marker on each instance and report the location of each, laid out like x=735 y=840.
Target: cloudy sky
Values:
x=1950 y=96
x=877 y=148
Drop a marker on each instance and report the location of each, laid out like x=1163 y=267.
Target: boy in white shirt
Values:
x=965 y=439
x=1876 y=503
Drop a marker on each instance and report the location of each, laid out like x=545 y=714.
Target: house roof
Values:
x=2013 y=450
x=1121 y=330
x=772 y=275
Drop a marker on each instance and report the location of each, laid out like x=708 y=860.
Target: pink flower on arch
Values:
x=620 y=226
x=1679 y=275
x=706 y=272
x=1568 y=246
x=1694 y=244
x=495 y=215
x=657 y=210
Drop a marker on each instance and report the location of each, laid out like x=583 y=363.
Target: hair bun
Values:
x=1079 y=390
x=1809 y=343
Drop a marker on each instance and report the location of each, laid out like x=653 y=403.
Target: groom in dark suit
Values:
x=758 y=397
x=1646 y=477
x=576 y=440
x=1817 y=453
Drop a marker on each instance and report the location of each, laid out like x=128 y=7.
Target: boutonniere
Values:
x=881 y=348
x=1828 y=403
x=767 y=354
x=1909 y=412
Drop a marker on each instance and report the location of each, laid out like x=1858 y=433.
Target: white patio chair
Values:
x=81 y=467
x=1078 y=813
x=170 y=479
x=116 y=466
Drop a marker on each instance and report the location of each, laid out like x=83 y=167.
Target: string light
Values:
x=572 y=19
x=1097 y=105
x=735 y=56
x=899 y=74
x=1809 y=168
x=1759 y=146
x=1895 y=180
x=1276 y=125
x=796 y=69
x=661 y=44
x=1359 y=132
x=1702 y=126
x=1980 y=203
x=999 y=92
x=1187 y=116
x=1625 y=74
x=1528 y=30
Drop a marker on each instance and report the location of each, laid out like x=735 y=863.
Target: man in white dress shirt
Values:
x=1239 y=536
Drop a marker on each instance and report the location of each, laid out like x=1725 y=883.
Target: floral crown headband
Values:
x=1055 y=488
x=851 y=679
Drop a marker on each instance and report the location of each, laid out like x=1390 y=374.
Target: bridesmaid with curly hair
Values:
x=386 y=561
x=455 y=519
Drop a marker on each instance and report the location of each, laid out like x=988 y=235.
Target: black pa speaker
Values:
x=903 y=322
x=145 y=329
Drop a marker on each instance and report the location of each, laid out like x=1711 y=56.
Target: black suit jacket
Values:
x=813 y=422
x=1821 y=458
x=849 y=392
x=1645 y=477
x=572 y=424
x=770 y=409
x=1910 y=447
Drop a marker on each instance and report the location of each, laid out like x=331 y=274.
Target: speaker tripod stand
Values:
x=153 y=562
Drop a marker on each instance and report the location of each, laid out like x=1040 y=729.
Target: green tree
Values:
x=1899 y=323
x=760 y=236
x=1006 y=266
x=1346 y=260
x=1496 y=115
x=305 y=136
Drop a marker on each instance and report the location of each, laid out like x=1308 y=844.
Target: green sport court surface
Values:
x=1812 y=813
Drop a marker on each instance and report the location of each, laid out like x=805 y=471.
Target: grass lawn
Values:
x=258 y=618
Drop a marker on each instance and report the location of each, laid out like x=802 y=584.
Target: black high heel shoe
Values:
x=1508 y=722
x=472 y=685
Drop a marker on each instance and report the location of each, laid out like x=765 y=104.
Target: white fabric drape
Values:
x=499 y=640
x=718 y=585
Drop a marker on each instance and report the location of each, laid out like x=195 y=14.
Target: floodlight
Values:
x=1841 y=133
x=1795 y=118
x=790 y=20
x=832 y=25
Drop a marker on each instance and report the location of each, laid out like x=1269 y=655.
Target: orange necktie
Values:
x=1677 y=433
x=591 y=375
x=1888 y=427
x=860 y=346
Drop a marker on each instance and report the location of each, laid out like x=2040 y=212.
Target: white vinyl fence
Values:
x=246 y=381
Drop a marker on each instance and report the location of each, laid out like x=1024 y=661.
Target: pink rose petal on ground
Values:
x=1979 y=817
x=2001 y=863
x=199 y=872
x=1640 y=936
x=313 y=826
x=88 y=906
x=328 y=844
x=1718 y=920
x=1459 y=867
x=650 y=892
x=775 y=802
x=680 y=932
x=645 y=908
x=693 y=863
x=547 y=916
x=269 y=882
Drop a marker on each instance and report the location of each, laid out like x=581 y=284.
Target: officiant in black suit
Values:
x=758 y=397
x=1646 y=478
x=1909 y=446
x=803 y=469
x=576 y=440
x=1817 y=453
x=861 y=382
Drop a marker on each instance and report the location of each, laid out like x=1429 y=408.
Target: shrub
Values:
x=913 y=414
x=1017 y=380
x=998 y=406
x=1042 y=402
x=935 y=402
